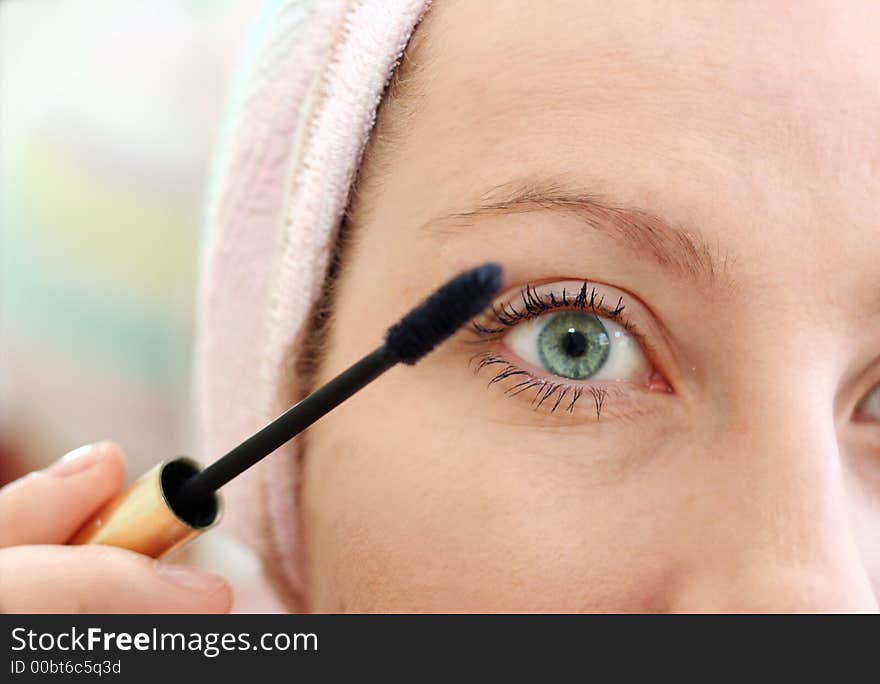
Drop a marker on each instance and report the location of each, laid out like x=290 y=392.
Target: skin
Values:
x=747 y=476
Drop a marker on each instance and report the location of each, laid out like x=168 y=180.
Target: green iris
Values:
x=574 y=345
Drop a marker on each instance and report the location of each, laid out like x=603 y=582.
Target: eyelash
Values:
x=505 y=316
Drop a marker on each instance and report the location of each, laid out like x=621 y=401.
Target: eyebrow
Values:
x=676 y=248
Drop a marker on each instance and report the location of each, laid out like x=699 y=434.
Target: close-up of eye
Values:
x=555 y=342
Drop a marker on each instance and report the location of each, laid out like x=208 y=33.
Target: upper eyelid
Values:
x=511 y=305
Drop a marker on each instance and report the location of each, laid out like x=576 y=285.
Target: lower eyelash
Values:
x=544 y=389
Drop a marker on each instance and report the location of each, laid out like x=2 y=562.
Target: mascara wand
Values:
x=176 y=501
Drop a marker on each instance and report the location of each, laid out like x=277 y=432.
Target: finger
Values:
x=104 y=579
x=48 y=506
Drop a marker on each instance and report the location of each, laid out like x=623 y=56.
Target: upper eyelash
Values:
x=535 y=304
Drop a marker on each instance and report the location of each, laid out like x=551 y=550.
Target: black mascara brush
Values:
x=176 y=501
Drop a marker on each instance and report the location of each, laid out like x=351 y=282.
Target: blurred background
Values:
x=109 y=114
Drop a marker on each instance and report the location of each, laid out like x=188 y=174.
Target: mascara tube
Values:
x=149 y=517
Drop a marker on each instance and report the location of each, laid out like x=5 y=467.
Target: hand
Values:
x=38 y=574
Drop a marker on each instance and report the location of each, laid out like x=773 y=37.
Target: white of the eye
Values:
x=871 y=404
x=625 y=358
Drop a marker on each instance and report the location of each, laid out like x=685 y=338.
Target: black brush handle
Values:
x=293 y=421
x=416 y=334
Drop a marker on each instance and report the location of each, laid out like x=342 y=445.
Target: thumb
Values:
x=48 y=506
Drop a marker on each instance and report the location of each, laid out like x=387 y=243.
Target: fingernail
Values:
x=190 y=578
x=78 y=460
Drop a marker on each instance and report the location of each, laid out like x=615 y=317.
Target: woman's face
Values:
x=710 y=438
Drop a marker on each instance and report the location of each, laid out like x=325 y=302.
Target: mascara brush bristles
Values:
x=443 y=313
x=417 y=333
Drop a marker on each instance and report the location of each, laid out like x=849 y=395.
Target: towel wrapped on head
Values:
x=305 y=102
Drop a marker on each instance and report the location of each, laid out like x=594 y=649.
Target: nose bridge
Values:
x=777 y=434
x=776 y=532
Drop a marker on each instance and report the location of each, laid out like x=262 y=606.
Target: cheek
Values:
x=435 y=509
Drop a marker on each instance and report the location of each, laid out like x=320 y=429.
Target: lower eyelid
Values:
x=865 y=434
x=593 y=400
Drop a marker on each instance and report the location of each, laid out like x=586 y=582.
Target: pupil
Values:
x=574 y=343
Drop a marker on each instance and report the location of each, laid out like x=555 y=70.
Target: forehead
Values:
x=761 y=73
x=754 y=115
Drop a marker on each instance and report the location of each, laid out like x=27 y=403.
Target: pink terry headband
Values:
x=304 y=104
